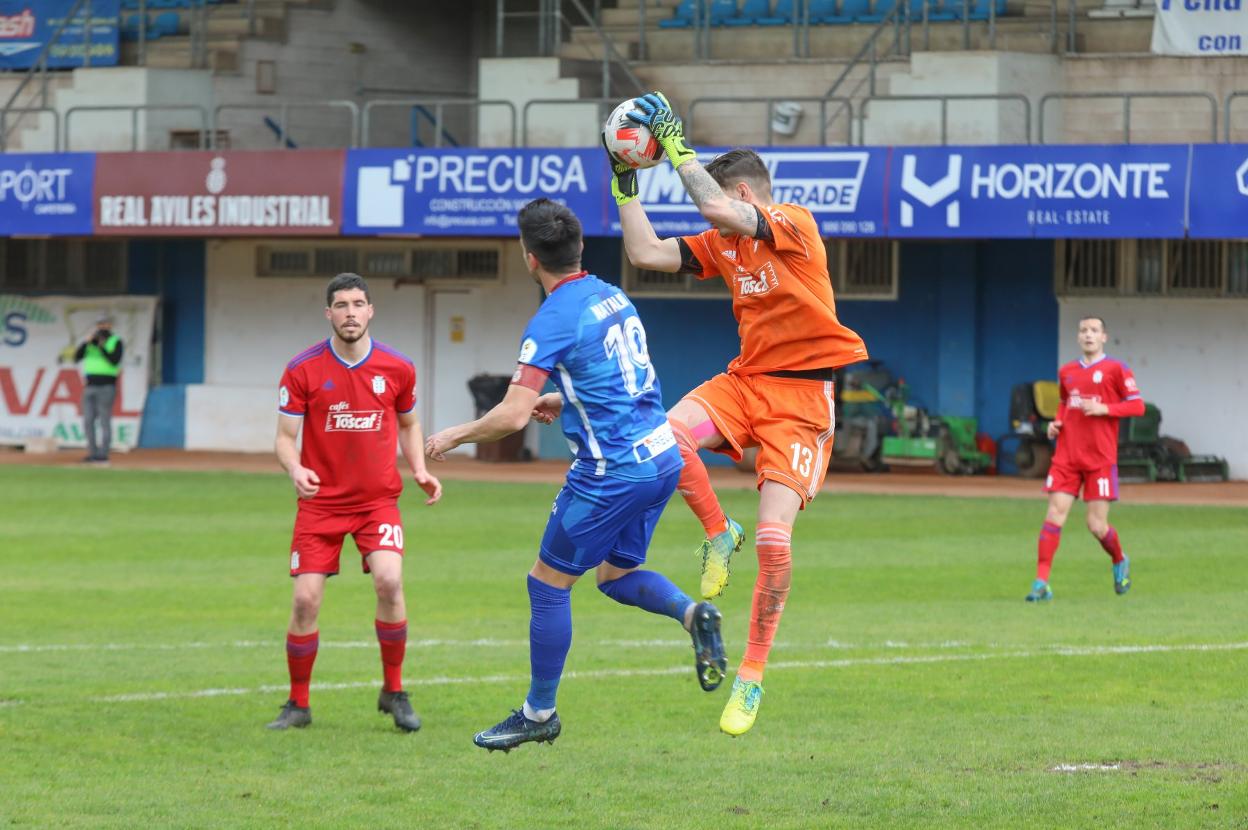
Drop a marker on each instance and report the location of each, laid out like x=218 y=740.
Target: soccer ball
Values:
x=629 y=141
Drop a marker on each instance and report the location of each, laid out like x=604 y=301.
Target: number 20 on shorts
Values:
x=391 y=536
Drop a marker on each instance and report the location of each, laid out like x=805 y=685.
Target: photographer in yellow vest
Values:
x=101 y=362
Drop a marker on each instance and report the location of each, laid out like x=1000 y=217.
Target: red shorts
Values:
x=790 y=420
x=318 y=537
x=1097 y=485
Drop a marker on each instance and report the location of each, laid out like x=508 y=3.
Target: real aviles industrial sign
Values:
x=1006 y=191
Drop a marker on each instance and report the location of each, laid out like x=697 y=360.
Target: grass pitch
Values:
x=141 y=629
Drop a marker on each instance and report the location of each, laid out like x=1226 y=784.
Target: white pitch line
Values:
x=1067 y=651
x=484 y=642
x=1085 y=767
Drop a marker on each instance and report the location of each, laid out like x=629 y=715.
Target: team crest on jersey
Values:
x=1130 y=383
x=752 y=285
x=1096 y=376
x=283 y=396
x=379 y=384
x=528 y=349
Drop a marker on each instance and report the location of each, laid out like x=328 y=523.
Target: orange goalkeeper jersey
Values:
x=781 y=295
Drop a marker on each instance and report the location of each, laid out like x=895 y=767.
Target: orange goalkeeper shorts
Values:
x=790 y=420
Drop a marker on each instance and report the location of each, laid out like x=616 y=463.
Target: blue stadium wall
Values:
x=174 y=271
x=971 y=320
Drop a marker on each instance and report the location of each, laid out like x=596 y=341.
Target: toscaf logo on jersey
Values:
x=342 y=418
x=753 y=285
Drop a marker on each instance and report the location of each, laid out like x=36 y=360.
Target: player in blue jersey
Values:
x=587 y=338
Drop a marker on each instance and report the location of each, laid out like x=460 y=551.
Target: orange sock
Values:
x=695 y=484
x=775 y=570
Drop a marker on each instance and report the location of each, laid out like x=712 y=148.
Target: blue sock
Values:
x=650 y=591
x=550 y=637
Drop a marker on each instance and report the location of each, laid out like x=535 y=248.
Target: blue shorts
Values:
x=603 y=519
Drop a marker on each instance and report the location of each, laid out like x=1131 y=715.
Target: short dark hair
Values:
x=552 y=233
x=345 y=282
x=1104 y=327
x=740 y=164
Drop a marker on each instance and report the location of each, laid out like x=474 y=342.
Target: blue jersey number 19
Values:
x=628 y=346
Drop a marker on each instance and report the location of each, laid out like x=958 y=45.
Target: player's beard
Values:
x=351 y=335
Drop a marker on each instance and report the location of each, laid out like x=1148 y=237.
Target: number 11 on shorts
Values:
x=802 y=457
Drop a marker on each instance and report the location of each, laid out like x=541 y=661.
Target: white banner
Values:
x=1204 y=28
x=41 y=387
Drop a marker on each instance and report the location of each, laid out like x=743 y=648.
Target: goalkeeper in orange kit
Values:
x=777 y=394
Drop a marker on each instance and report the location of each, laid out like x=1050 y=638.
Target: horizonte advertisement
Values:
x=996 y=192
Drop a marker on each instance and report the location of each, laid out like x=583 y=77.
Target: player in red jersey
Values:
x=355 y=398
x=1095 y=392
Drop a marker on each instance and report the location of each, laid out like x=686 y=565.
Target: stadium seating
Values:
x=849 y=10
x=936 y=10
x=131 y=25
x=822 y=11
x=751 y=12
x=980 y=8
x=166 y=24
x=781 y=15
x=883 y=8
x=683 y=15
x=722 y=11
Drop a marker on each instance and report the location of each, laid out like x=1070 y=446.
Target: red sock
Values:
x=1050 y=538
x=1112 y=546
x=771 y=589
x=695 y=484
x=300 y=655
x=393 y=639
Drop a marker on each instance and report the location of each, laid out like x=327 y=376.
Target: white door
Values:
x=454 y=328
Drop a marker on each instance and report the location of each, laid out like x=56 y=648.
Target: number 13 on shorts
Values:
x=803 y=457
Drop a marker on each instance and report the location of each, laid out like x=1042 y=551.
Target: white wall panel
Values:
x=1188 y=358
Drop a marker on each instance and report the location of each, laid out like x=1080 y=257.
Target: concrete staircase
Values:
x=224 y=28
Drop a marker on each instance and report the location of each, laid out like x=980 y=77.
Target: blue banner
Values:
x=46 y=193
x=468 y=192
x=1219 y=192
x=1001 y=192
x=26 y=27
x=843 y=188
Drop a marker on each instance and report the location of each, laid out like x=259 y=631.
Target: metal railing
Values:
x=134 y=110
x=21 y=111
x=1231 y=98
x=869 y=52
x=605 y=105
x=944 y=100
x=1127 y=98
x=551 y=26
x=282 y=133
x=438 y=105
x=40 y=68
x=771 y=101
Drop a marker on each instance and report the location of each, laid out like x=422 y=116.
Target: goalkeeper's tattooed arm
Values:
x=716 y=207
